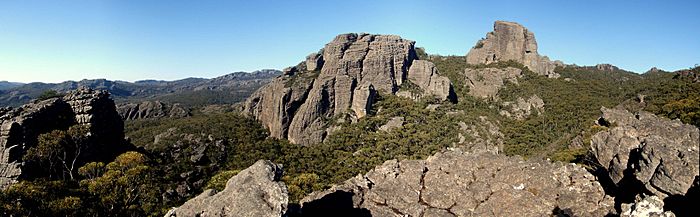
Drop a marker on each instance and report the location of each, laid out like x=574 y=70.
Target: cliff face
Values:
x=21 y=127
x=511 y=41
x=341 y=79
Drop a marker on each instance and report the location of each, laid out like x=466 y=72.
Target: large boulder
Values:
x=641 y=150
x=425 y=75
x=454 y=183
x=522 y=108
x=343 y=78
x=486 y=82
x=255 y=191
x=20 y=128
x=511 y=41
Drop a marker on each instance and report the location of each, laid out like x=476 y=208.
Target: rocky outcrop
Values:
x=21 y=127
x=151 y=109
x=425 y=75
x=648 y=206
x=511 y=41
x=454 y=183
x=521 y=108
x=484 y=136
x=393 y=123
x=486 y=82
x=255 y=191
x=647 y=154
x=343 y=78
x=607 y=67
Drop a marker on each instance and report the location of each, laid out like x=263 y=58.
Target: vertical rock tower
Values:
x=342 y=78
x=511 y=41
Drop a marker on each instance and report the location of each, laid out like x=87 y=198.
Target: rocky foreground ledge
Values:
x=658 y=156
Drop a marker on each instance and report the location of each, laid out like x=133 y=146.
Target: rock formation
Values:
x=486 y=82
x=425 y=75
x=606 y=67
x=344 y=76
x=521 y=108
x=151 y=109
x=454 y=183
x=393 y=123
x=21 y=127
x=485 y=137
x=641 y=150
x=649 y=206
x=255 y=191
x=511 y=41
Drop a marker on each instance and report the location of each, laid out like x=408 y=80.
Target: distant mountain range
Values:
x=228 y=88
x=4 y=85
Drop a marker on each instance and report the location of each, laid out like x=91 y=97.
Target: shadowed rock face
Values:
x=21 y=127
x=255 y=191
x=641 y=150
x=151 y=109
x=454 y=183
x=342 y=78
x=511 y=41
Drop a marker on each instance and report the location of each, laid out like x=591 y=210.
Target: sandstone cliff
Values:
x=342 y=78
x=151 y=109
x=511 y=41
x=21 y=126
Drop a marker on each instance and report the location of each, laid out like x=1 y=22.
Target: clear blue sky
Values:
x=53 y=41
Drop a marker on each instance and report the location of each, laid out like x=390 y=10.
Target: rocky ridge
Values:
x=512 y=41
x=151 y=109
x=21 y=126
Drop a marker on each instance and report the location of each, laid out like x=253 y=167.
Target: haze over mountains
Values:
x=236 y=86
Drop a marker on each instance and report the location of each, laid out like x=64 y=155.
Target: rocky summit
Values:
x=511 y=41
x=344 y=76
x=22 y=126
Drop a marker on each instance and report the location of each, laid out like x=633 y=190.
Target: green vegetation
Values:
x=49 y=94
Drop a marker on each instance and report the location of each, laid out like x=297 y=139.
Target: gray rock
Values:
x=607 y=67
x=486 y=82
x=393 y=123
x=484 y=136
x=255 y=191
x=424 y=74
x=314 y=61
x=454 y=183
x=351 y=62
x=521 y=108
x=20 y=128
x=151 y=109
x=659 y=153
x=650 y=206
x=511 y=41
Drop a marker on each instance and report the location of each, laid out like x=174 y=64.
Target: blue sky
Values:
x=53 y=41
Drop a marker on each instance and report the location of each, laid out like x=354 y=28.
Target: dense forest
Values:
x=175 y=159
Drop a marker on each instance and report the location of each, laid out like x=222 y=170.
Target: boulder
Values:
x=648 y=206
x=424 y=74
x=521 y=108
x=393 y=123
x=511 y=41
x=486 y=82
x=455 y=183
x=255 y=191
x=641 y=150
x=606 y=67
